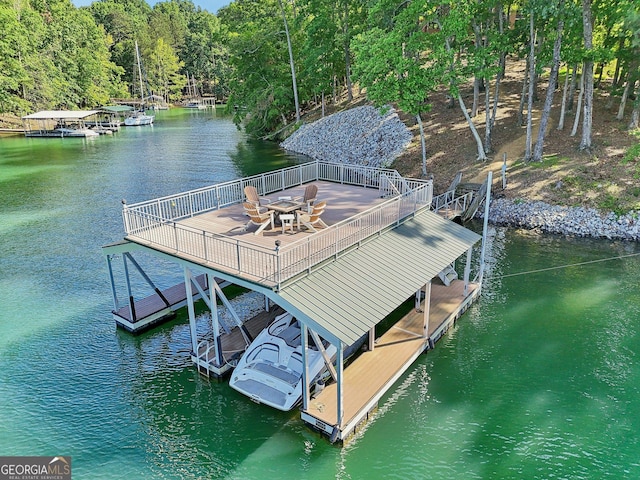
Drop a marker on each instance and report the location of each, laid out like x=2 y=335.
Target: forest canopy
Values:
x=274 y=59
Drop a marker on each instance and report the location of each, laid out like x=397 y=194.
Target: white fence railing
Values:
x=450 y=203
x=156 y=221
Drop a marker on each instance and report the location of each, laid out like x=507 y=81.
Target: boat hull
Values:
x=139 y=120
x=270 y=371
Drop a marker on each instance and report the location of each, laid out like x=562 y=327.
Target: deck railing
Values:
x=448 y=201
x=194 y=202
x=156 y=221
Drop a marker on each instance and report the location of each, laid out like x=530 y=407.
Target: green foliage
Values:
x=632 y=154
x=54 y=55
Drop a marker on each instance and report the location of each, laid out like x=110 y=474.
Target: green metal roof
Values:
x=345 y=299
x=117 y=108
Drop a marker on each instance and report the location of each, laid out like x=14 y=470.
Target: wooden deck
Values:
x=373 y=373
x=152 y=309
x=343 y=201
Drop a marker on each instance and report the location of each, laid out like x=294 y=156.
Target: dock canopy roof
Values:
x=117 y=108
x=60 y=115
x=348 y=297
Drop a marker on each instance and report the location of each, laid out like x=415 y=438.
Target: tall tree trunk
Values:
x=551 y=88
x=587 y=118
x=476 y=79
x=629 y=87
x=523 y=94
x=616 y=73
x=499 y=77
x=634 y=124
x=487 y=120
x=532 y=72
x=572 y=88
x=564 y=100
x=347 y=53
x=481 y=155
x=423 y=145
x=623 y=100
x=576 y=120
x=293 y=68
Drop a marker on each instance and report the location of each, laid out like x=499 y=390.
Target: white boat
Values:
x=195 y=104
x=270 y=371
x=76 y=132
x=138 y=118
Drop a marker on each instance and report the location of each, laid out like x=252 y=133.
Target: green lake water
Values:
x=539 y=379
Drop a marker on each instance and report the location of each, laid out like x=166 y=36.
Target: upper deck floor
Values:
x=204 y=226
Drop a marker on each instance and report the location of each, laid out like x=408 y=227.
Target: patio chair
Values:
x=252 y=197
x=309 y=196
x=257 y=218
x=312 y=219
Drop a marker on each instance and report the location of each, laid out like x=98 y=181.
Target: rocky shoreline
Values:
x=358 y=136
x=572 y=221
x=367 y=136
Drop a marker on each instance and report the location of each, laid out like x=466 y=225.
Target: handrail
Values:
x=155 y=221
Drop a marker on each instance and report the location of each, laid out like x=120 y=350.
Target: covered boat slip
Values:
x=382 y=245
x=57 y=123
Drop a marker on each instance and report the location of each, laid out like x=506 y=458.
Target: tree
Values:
x=585 y=143
x=392 y=66
x=291 y=63
x=261 y=77
x=553 y=77
x=163 y=71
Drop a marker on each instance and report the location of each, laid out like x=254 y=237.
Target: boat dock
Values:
x=393 y=354
x=384 y=242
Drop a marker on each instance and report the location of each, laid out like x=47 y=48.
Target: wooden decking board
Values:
x=372 y=372
x=152 y=304
x=234 y=341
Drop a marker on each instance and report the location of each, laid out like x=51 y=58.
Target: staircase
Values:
x=448 y=275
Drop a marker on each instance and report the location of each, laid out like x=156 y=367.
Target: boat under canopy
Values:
x=59 y=123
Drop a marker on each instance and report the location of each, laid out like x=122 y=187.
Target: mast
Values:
x=140 y=77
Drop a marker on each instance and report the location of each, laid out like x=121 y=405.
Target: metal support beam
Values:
x=146 y=278
x=116 y=304
x=328 y=362
x=132 y=308
x=191 y=310
x=305 y=368
x=215 y=325
x=485 y=226
x=427 y=310
x=467 y=271
x=340 y=389
x=245 y=333
x=372 y=338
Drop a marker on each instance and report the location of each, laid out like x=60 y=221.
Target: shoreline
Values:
x=365 y=136
x=560 y=220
